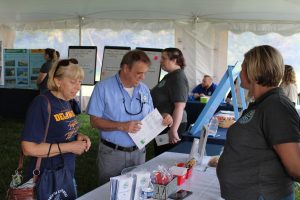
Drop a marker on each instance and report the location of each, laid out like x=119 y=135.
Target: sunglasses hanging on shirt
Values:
x=124 y=104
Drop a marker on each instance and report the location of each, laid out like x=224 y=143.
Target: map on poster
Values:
x=16 y=67
x=87 y=57
x=36 y=60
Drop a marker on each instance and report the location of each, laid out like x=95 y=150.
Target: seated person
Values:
x=206 y=88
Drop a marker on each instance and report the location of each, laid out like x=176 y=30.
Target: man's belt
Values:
x=115 y=146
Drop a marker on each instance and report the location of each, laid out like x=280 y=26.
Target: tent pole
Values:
x=81 y=19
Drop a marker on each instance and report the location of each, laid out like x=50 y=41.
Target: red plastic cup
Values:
x=180 y=179
x=180 y=164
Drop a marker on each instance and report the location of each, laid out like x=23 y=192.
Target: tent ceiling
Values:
x=23 y=11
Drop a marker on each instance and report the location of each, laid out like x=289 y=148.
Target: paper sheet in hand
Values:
x=151 y=127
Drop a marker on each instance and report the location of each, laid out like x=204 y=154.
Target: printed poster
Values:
x=36 y=60
x=16 y=67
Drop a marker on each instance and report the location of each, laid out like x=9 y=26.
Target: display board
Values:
x=153 y=75
x=217 y=97
x=16 y=67
x=36 y=60
x=112 y=57
x=87 y=57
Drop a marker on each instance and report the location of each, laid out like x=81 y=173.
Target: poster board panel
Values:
x=16 y=67
x=153 y=75
x=36 y=60
x=87 y=57
x=112 y=57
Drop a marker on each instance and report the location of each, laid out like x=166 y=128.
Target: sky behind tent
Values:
x=289 y=46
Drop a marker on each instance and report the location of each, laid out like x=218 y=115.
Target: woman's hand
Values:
x=167 y=119
x=82 y=137
x=173 y=137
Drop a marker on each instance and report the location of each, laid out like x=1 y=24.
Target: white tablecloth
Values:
x=204 y=185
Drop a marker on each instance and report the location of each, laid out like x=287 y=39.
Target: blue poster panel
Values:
x=16 y=67
x=36 y=60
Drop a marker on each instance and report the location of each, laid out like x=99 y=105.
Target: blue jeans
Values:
x=289 y=197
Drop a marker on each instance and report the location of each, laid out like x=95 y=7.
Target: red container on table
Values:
x=181 y=179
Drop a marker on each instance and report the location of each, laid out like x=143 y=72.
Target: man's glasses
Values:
x=141 y=107
x=64 y=63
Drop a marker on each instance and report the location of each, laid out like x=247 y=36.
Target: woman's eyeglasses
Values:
x=64 y=63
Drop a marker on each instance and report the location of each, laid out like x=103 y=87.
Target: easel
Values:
x=226 y=82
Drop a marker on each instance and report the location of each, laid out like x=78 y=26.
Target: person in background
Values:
x=170 y=95
x=237 y=92
x=56 y=56
x=261 y=156
x=116 y=108
x=64 y=82
x=206 y=88
x=43 y=75
x=288 y=84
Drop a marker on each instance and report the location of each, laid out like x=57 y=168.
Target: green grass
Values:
x=86 y=168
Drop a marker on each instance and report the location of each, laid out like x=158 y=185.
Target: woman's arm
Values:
x=40 y=78
x=289 y=154
x=177 y=117
x=41 y=150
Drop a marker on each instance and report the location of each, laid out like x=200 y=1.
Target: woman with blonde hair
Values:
x=261 y=157
x=288 y=84
x=64 y=82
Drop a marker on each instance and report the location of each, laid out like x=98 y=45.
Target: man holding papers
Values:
x=116 y=108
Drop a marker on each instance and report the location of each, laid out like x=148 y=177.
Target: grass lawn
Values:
x=86 y=170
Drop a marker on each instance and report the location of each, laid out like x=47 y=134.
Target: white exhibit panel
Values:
x=153 y=75
x=86 y=56
x=112 y=57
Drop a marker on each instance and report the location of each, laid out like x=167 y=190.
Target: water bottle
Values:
x=147 y=191
x=213 y=126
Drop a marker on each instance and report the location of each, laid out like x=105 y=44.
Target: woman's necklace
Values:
x=64 y=105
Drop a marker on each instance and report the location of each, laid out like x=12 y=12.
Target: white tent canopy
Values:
x=201 y=26
x=35 y=10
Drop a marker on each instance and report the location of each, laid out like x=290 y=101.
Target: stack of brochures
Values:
x=121 y=188
x=128 y=187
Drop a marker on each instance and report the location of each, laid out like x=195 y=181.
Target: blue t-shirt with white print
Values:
x=63 y=128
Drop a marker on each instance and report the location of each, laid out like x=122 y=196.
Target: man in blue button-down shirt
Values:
x=117 y=106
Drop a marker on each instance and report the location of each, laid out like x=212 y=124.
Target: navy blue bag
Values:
x=75 y=106
x=56 y=183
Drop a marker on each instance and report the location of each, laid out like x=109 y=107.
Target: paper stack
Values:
x=121 y=188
